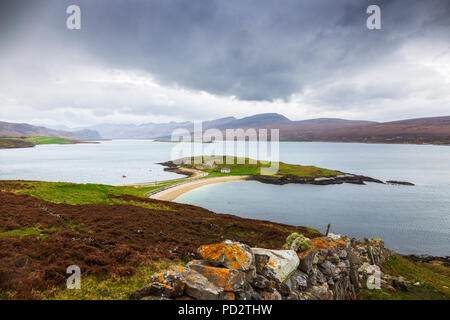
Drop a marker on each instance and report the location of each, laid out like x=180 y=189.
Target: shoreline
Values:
x=172 y=192
x=197 y=178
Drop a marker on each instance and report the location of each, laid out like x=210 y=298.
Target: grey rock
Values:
x=282 y=263
x=260 y=282
x=307 y=260
x=342 y=254
x=328 y=269
x=228 y=279
x=333 y=258
x=155 y=289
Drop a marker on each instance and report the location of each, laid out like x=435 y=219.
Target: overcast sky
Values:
x=156 y=61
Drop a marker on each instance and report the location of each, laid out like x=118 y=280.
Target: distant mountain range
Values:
x=424 y=130
x=8 y=129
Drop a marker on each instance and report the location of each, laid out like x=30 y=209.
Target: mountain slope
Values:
x=434 y=130
x=9 y=129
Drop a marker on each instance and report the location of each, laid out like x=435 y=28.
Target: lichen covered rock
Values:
x=190 y=282
x=232 y=255
x=281 y=264
x=228 y=279
x=333 y=267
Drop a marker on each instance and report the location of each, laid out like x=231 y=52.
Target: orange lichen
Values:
x=235 y=255
x=220 y=276
x=161 y=284
x=319 y=243
x=229 y=296
x=341 y=243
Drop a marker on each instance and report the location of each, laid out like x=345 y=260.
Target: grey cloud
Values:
x=254 y=50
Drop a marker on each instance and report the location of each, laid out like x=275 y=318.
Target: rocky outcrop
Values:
x=403 y=183
x=340 y=179
x=325 y=268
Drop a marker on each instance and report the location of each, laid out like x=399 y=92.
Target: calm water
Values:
x=409 y=219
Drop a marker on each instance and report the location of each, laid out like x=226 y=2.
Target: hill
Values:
x=9 y=129
x=424 y=130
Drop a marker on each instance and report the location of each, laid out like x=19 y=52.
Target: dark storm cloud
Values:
x=186 y=59
x=251 y=49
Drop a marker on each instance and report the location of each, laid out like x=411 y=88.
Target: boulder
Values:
x=273 y=295
x=229 y=254
x=297 y=281
x=328 y=269
x=333 y=258
x=248 y=293
x=260 y=262
x=321 y=292
x=229 y=280
x=260 y=282
x=307 y=259
x=342 y=254
x=281 y=264
x=318 y=275
x=190 y=281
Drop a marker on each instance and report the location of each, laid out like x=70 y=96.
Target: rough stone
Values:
x=321 y=292
x=333 y=258
x=194 y=284
x=281 y=264
x=328 y=269
x=274 y=295
x=228 y=279
x=155 y=289
x=260 y=262
x=307 y=260
x=232 y=255
x=298 y=280
x=260 y=282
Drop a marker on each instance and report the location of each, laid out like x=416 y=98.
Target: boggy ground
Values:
x=39 y=239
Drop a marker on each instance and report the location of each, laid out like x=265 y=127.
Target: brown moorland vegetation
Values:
x=39 y=239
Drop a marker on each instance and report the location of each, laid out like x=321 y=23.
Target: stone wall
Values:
x=326 y=268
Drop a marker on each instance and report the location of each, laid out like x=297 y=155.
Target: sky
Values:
x=174 y=60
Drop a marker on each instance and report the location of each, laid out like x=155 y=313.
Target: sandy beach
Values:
x=177 y=190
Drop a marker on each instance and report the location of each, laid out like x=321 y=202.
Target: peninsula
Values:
x=212 y=169
x=29 y=142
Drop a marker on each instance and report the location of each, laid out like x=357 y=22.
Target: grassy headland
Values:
x=25 y=142
x=245 y=166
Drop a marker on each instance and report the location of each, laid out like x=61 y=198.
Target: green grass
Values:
x=48 y=140
x=43 y=140
x=14 y=143
x=434 y=281
x=108 y=287
x=73 y=193
x=20 y=233
x=248 y=166
x=36 y=231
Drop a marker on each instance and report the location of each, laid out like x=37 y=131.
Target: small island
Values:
x=218 y=166
x=214 y=169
